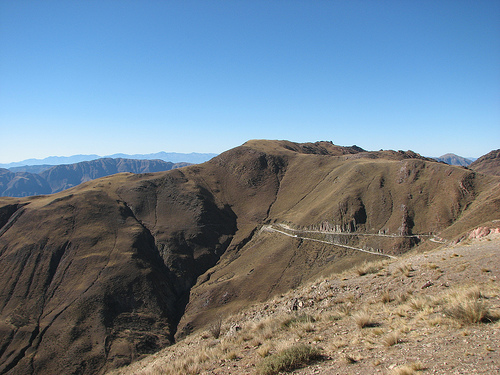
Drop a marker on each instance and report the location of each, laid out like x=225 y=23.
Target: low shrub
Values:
x=215 y=328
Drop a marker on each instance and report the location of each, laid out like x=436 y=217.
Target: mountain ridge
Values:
x=488 y=164
x=65 y=176
x=127 y=264
x=173 y=157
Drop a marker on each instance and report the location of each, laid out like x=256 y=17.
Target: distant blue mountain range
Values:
x=173 y=157
x=46 y=179
x=453 y=159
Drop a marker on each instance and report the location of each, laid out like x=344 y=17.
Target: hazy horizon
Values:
x=106 y=77
x=181 y=153
x=88 y=157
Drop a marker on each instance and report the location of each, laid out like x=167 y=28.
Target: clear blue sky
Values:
x=83 y=77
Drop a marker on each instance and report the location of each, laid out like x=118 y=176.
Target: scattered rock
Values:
x=427 y=284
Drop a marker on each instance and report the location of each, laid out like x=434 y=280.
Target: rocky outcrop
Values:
x=481 y=232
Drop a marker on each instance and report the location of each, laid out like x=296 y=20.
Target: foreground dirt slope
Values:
x=405 y=304
x=104 y=273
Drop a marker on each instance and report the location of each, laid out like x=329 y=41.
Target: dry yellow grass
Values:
x=410 y=369
x=363 y=319
x=469 y=307
x=405 y=270
x=386 y=297
x=366 y=268
x=391 y=338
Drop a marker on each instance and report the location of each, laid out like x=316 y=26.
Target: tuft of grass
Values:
x=391 y=339
x=264 y=350
x=386 y=297
x=366 y=268
x=419 y=303
x=410 y=369
x=288 y=359
x=345 y=308
x=364 y=320
x=334 y=317
x=470 y=311
x=405 y=269
x=402 y=297
x=435 y=321
x=232 y=355
x=473 y=293
x=418 y=366
x=309 y=327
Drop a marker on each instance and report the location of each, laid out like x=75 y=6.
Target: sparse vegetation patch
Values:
x=298 y=319
x=288 y=359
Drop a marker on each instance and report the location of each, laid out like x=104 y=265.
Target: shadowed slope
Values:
x=80 y=280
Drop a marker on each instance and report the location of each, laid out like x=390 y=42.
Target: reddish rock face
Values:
x=481 y=232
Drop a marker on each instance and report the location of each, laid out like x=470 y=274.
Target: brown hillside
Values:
x=97 y=276
x=383 y=192
x=435 y=312
x=488 y=164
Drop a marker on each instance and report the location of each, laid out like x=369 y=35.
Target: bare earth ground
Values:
x=390 y=317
